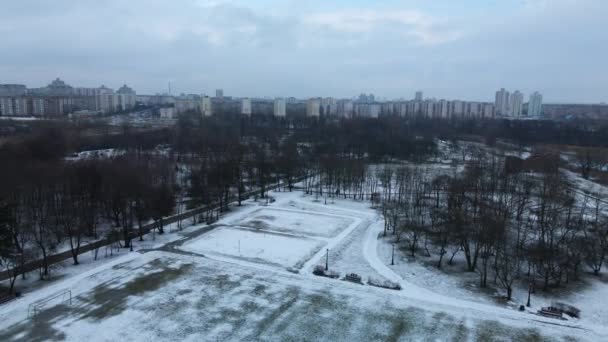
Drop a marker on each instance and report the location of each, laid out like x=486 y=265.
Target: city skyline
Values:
x=464 y=50
x=78 y=90
x=212 y=91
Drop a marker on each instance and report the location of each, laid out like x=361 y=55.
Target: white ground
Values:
x=198 y=287
x=271 y=248
x=296 y=222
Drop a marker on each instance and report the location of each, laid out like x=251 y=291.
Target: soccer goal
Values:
x=62 y=297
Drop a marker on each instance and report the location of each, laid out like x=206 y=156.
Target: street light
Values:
x=529 y=292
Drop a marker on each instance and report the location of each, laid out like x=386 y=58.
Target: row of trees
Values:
x=48 y=205
x=46 y=201
x=533 y=228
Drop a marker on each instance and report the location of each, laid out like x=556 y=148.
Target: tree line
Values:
x=47 y=201
x=532 y=228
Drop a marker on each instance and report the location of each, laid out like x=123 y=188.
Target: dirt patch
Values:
x=257 y=224
x=265 y=217
x=495 y=331
x=105 y=300
x=39 y=329
x=110 y=301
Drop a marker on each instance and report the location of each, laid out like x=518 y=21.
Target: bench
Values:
x=353 y=277
x=550 y=312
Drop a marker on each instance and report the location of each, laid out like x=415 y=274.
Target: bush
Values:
x=387 y=284
x=320 y=271
x=567 y=309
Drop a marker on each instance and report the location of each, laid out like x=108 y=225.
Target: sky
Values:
x=450 y=49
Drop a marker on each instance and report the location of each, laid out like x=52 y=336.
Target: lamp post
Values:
x=529 y=292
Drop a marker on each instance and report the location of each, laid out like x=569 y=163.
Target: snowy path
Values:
x=371 y=224
x=359 y=244
x=331 y=244
x=455 y=306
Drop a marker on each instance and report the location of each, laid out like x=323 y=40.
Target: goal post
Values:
x=61 y=297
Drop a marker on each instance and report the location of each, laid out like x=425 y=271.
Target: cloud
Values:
x=311 y=48
x=424 y=28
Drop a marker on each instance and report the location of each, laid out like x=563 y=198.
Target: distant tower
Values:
x=206 y=109
x=219 y=93
x=279 y=107
x=535 y=106
x=442 y=109
x=313 y=107
x=418 y=96
x=246 y=106
x=517 y=103
x=501 y=102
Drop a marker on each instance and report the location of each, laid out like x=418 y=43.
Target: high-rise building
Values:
x=368 y=110
x=126 y=97
x=57 y=105
x=488 y=111
x=313 y=107
x=187 y=103
x=535 y=105
x=457 y=109
x=473 y=110
x=279 y=107
x=219 y=93
x=366 y=98
x=442 y=109
x=329 y=106
x=22 y=105
x=206 y=109
x=246 y=106
x=345 y=108
x=103 y=90
x=516 y=104
x=81 y=91
x=501 y=102
x=418 y=96
x=106 y=101
x=36 y=105
x=12 y=90
x=428 y=108
x=6 y=106
x=126 y=90
x=59 y=88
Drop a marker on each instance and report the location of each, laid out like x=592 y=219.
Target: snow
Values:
x=20 y=118
x=414 y=271
x=592 y=301
x=95 y=154
x=201 y=284
x=271 y=248
x=194 y=299
x=296 y=222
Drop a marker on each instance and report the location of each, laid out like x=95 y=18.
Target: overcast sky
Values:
x=448 y=48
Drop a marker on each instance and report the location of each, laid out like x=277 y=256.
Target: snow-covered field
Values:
x=296 y=222
x=222 y=283
x=272 y=248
